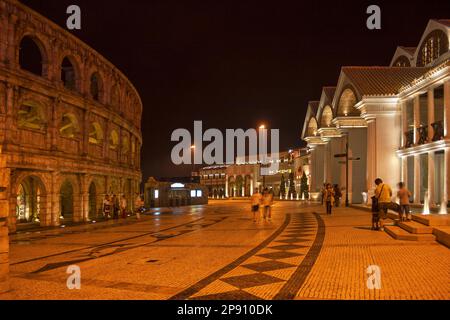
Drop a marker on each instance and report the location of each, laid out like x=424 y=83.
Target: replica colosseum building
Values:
x=69 y=124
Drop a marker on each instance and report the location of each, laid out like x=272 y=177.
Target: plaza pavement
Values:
x=218 y=252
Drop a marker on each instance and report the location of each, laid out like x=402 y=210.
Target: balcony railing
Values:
x=409 y=135
x=438 y=130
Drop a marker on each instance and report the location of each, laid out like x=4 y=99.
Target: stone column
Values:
x=430 y=114
x=446 y=192
x=404 y=124
x=416 y=118
x=405 y=170
x=417 y=179
x=226 y=186
x=4 y=212
x=54 y=200
x=431 y=176
x=12 y=45
x=84 y=197
x=447 y=110
x=251 y=186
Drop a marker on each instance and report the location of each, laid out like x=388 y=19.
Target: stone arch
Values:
x=326 y=117
x=113 y=140
x=232 y=186
x=32 y=55
x=29 y=199
x=96 y=86
x=346 y=103
x=96 y=134
x=95 y=184
x=115 y=96
x=312 y=127
x=70 y=204
x=247 y=185
x=239 y=185
x=69 y=127
x=70 y=74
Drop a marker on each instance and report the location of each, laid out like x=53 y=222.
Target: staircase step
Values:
x=432 y=219
x=400 y=234
x=415 y=227
x=442 y=235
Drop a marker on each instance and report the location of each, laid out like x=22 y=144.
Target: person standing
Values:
x=256 y=200
x=106 y=207
x=404 y=194
x=123 y=206
x=323 y=192
x=267 y=203
x=383 y=193
x=329 y=198
x=138 y=206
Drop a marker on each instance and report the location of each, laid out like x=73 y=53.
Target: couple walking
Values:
x=113 y=206
x=264 y=200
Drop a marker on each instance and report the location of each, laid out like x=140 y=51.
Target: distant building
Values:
x=240 y=180
x=173 y=193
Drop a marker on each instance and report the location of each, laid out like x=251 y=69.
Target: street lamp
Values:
x=193 y=162
x=262 y=127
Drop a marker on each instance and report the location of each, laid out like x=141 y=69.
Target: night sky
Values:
x=235 y=64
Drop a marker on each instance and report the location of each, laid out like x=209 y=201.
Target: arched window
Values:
x=69 y=126
x=347 y=104
x=402 y=61
x=30 y=56
x=96 y=133
x=68 y=76
x=327 y=117
x=31 y=115
x=125 y=144
x=96 y=86
x=312 y=128
x=433 y=46
x=113 y=140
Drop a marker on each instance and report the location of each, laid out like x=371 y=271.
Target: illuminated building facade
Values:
x=396 y=121
x=70 y=123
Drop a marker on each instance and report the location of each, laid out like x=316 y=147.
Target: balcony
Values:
x=438 y=130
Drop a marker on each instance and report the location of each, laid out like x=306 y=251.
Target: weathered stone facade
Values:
x=69 y=125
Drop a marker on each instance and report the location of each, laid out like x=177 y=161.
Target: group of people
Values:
x=115 y=207
x=382 y=202
x=331 y=196
x=262 y=200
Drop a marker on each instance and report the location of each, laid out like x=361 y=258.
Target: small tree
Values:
x=291 y=185
x=304 y=188
x=282 y=186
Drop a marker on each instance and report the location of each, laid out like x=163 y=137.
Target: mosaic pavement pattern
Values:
x=276 y=269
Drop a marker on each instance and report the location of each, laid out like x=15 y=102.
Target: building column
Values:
x=405 y=170
x=416 y=118
x=447 y=110
x=430 y=114
x=84 y=195
x=446 y=193
x=251 y=186
x=4 y=212
x=431 y=165
x=54 y=200
x=417 y=179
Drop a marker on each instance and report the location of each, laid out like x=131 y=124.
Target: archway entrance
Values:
x=92 y=201
x=28 y=207
x=66 y=202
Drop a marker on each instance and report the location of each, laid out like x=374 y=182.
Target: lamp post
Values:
x=262 y=127
x=193 y=162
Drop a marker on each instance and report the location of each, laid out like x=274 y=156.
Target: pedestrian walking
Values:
x=115 y=206
x=337 y=195
x=267 y=204
x=256 y=200
x=123 y=206
x=404 y=194
x=138 y=206
x=329 y=198
x=106 y=207
x=383 y=195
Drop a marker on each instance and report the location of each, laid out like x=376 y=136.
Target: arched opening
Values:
x=347 y=103
x=113 y=140
x=92 y=201
x=29 y=200
x=31 y=115
x=96 y=86
x=66 y=200
x=69 y=126
x=239 y=186
x=68 y=74
x=247 y=191
x=231 y=187
x=30 y=56
x=327 y=117
x=125 y=145
x=312 y=128
x=96 y=133
x=402 y=61
x=433 y=46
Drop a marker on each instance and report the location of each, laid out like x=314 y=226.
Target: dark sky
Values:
x=234 y=64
